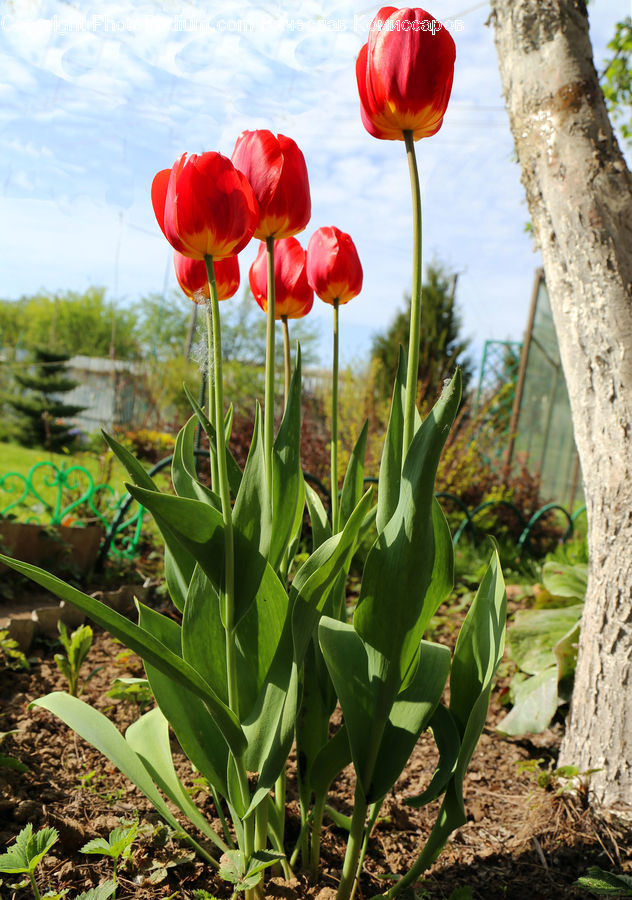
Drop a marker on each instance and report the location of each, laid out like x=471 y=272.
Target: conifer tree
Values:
x=41 y=411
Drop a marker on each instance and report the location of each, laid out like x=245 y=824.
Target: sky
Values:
x=96 y=98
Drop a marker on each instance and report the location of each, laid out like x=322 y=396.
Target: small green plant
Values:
x=605 y=884
x=10 y=762
x=27 y=853
x=565 y=779
x=91 y=782
x=118 y=846
x=11 y=656
x=76 y=647
x=132 y=690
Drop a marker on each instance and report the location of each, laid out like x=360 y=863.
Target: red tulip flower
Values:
x=204 y=206
x=333 y=266
x=405 y=74
x=193 y=279
x=275 y=167
x=294 y=296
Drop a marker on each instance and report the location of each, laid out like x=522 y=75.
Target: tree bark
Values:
x=579 y=192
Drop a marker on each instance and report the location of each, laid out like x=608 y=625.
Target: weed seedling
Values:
x=10 y=654
x=132 y=690
x=117 y=846
x=76 y=647
x=27 y=853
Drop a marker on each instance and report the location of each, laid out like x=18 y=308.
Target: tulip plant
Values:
x=260 y=660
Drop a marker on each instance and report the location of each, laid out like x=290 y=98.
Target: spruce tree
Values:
x=41 y=412
x=441 y=344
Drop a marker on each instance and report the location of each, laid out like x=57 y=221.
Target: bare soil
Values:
x=520 y=840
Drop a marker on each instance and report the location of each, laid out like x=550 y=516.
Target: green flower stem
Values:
x=374 y=812
x=317 y=827
x=268 y=432
x=279 y=801
x=36 y=893
x=335 y=511
x=286 y=357
x=415 y=305
x=224 y=490
x=354 y=846
x=261 y=826
x=211 y=403
x=222 y=817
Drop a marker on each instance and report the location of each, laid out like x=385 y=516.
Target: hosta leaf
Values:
x=535 y=633
x=562 y=580
x=535 y=704
x=102 y=892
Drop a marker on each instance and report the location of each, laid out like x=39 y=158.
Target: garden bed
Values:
x=520 y=841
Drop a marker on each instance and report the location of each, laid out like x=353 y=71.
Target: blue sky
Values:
x=93 y=103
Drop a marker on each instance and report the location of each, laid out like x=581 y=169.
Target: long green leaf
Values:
x=97 y=729
x=409 y=716
x=183 y=468
x=203 y=634
x=234 y=472
x=196 y=730
x=448 y=742
x=178 y=563
x=286 y=471
x=141 y=642
x=348 y=665
x=398 y=573
x=316 y=579
x=252 y=512
x=353 y=484
x=321 y=529
x=200 y=528
x=149 y=739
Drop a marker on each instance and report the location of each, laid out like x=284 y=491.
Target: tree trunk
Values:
x=579 y=192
